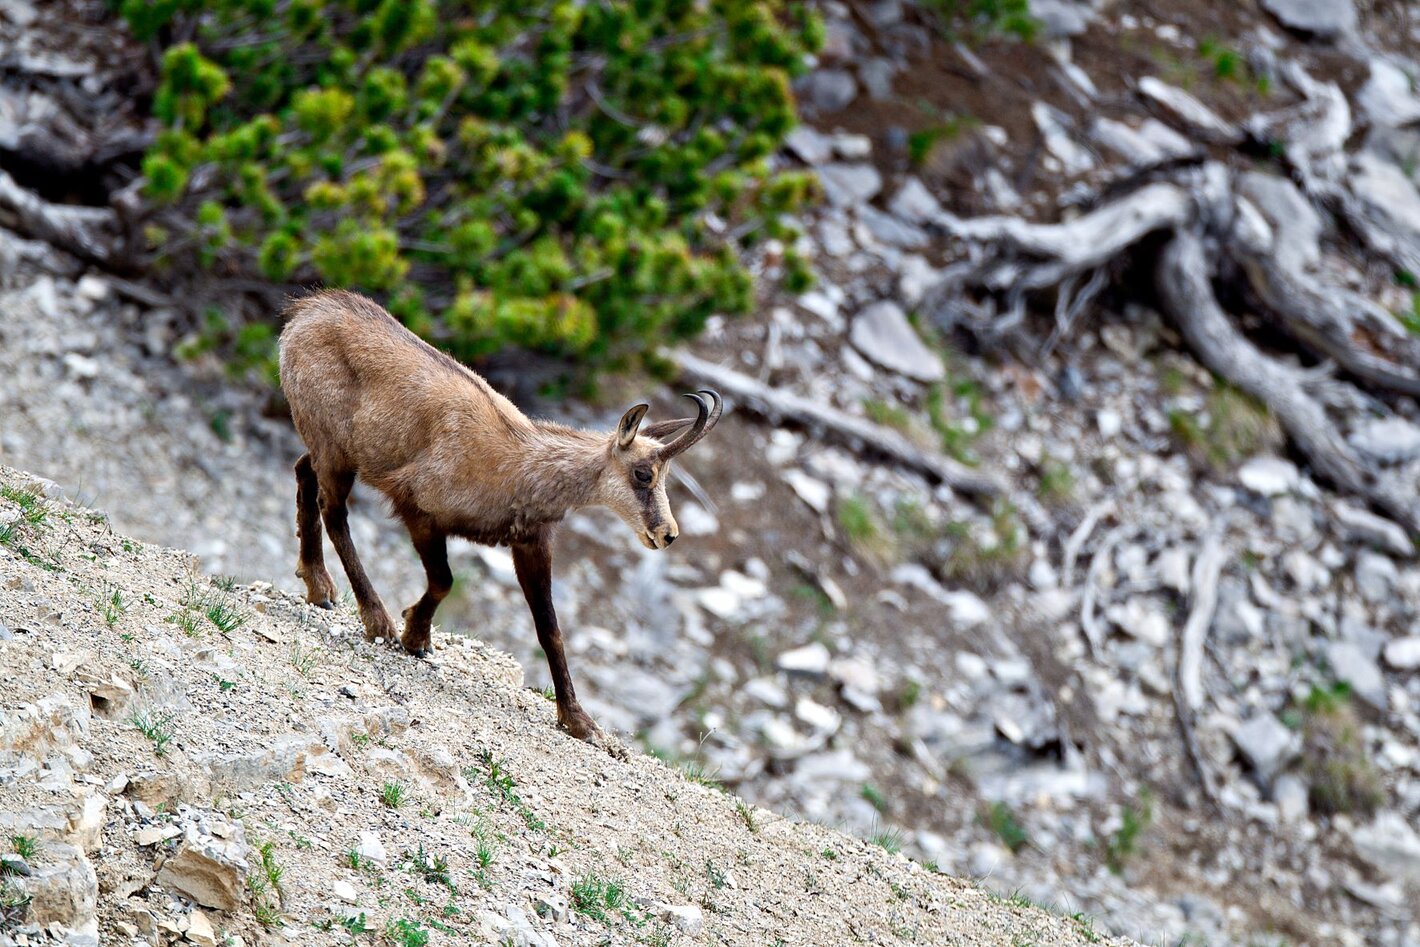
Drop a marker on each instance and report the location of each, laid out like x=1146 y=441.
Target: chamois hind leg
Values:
x=533 y=564
x=433 y=552
x=320 y=588
x=334 y=492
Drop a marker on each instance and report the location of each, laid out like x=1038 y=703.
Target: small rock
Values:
x=1269 y=476
x=1326 y=18
x=687 y=918
x=345 y=891
x=811 y=660
x=883 y=334
x=830 y=90
x=810 y=146
x=817 y=716
x=209 y=871
x=1376 y=577
x=1109 y=422
x=552 y=906
x=915 y=203
x=815 y=493
x=371 y=847
x=1403 y=653
x=1388 y=98
x=1388 y=440
x=1290 y=794
x=846 y=185
x=1391 y=845
x=199 y=930
x=1198 y=118
x=1266 y=744
x=1364 y=526
x=1350 y=664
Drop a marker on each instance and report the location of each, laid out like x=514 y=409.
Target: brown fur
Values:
x=455 y=458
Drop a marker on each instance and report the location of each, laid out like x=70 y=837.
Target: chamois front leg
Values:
x=334 y=492
x=433 y=551
x=533 y=564
x=320 y=587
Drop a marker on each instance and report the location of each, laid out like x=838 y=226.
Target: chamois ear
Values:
x=630 y=424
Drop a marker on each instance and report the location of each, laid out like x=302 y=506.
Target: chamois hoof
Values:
x=326 y=604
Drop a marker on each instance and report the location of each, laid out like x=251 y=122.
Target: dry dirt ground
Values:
x=177 y=733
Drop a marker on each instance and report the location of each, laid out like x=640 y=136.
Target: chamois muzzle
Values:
x=708 y=415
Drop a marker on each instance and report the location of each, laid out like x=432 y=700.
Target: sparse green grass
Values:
x=394 y=793
x=402 y=932
x=497 y=778
x=109 y=601
x=1057 y=482
x=863 y=529
x=874 y=797
x=1000 y=819
x=595 y=896
x=32 y=521
x=14 y=905
x=357 y=861
x=1335 y=759
x=304 y=659
x=908 y=693
x=746 y=813
x=889 y=839
x=958 y=413
x=1123 y=842
x=986 y=559
x=1232 y=427
x=433 y=869
x=215 y=604
x=157 y=727
x=894 y=416
x=265 y=885
x=1410 y=318
x=355 y=924
x=25 y=846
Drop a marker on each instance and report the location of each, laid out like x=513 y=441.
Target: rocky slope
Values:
x=186 y=760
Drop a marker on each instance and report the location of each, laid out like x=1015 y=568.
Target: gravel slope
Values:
x=282 y=738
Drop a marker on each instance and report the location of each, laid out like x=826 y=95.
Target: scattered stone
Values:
x=915 y=203
x=345 y=891
x=208 y=870
x=847 y=185
x=1291 y=796
x=1391 y=845
x=1350 y=664
x=199 y=930
x=811 y=660
x=1403 y=653
x=1366 y=527
x=815 y=493
x=883 y=334
x=1390 y=440
x=1199 y=119
x=371 y=847
x=1327 y=19
x=686 y=918
x=1388 y=98
x=1376 y=577
x=1267 y=745
x=830 y=90
x=1269 y=476
x=1055 y=128
x=810 y=146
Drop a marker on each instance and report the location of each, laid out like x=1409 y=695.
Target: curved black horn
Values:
x=708 y=416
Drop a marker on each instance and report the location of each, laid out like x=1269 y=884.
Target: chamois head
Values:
x=633 y=484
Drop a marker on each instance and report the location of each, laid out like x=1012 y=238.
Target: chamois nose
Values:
x=669 y=538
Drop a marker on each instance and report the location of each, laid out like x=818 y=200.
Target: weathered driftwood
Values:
x=1186 y=291
x=784 y=406
x=83 y=231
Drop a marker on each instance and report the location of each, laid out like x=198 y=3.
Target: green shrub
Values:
x=980 y=19
x=574 y=178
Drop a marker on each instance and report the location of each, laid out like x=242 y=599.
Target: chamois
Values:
x=455 y=458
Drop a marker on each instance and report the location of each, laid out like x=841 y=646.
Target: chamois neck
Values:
x=563 y=467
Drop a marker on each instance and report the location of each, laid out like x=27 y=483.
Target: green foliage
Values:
x=574 y=178
x=1338 y=769
x=1123 y=842
x=1232 y=426
x=1410 y=318
x=982 y=19
x=393 y=793
x=403 y=932
x=595 y=896
x=1000 y=819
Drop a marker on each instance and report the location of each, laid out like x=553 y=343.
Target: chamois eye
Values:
x=643 y=475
